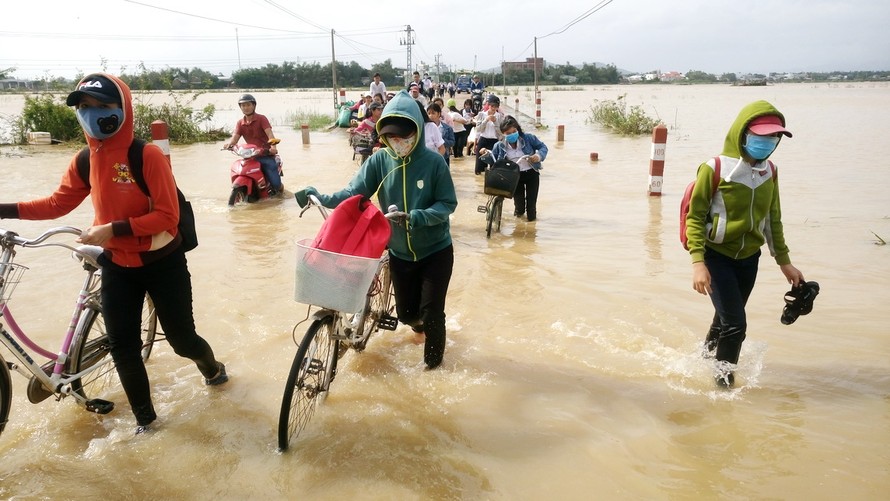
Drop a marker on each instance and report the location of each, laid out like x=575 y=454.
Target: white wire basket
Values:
x=331 y=280
x=10 y=276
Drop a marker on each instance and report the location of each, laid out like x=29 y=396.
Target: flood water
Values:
x=573 y=366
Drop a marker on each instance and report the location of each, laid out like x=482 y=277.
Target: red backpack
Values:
x=356 y=227
x=684 y=203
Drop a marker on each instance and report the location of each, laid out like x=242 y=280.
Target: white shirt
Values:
x=378 y=88
x=432 y=136
x=487 y=128
x=457 y=120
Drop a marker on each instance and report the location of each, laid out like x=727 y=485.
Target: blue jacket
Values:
x=529 y=143
x=419 y=184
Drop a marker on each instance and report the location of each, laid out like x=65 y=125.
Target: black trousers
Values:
x=169 y=284
x=732 y=281
x=460 y=142
x=420 y=288
x=525 y=198
x=487 y=143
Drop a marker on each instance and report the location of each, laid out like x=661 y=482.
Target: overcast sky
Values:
x=55 y=38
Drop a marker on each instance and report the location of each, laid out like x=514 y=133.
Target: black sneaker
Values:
x=219 y=378
x=143 y=428
x=726 y=380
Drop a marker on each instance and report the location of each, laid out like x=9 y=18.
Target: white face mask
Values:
x=402 y=146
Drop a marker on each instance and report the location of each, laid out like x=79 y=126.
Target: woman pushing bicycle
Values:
x=417 y=182
x=528 y=152
x=139 y=235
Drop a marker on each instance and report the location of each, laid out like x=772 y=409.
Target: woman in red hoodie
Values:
x=143 y=252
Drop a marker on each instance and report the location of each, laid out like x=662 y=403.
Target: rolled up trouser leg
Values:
x=434 y=345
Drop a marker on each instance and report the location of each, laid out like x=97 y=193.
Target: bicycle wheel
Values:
x=378 y=304
x=494 y=216
x=498 y=212
x=5 y=393
x=90 y=346
x=309 y=379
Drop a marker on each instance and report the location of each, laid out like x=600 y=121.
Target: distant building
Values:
x=528 y=64
x=14 y=83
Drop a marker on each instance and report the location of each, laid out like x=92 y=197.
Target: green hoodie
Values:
x=419 y=184
x=744 y=212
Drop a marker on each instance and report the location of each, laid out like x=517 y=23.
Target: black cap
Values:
x=398 y=126
x=97 y=86
x=492 y=99
x=375 y=106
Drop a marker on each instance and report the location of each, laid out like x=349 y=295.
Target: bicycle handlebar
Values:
x=12 y=238
x=314 y=202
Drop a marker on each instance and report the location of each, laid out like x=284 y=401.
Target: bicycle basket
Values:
x=10 y=276
x=331 y=280
x=502 y=179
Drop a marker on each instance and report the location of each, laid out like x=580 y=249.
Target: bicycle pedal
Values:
x=388 y=323
x=99 y=406
x=481 y=208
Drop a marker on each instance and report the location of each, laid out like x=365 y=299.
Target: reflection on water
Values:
x=573 y=360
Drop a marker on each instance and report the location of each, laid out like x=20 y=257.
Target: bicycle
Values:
x=500 y=183
x=82 y=367
x=350 y=311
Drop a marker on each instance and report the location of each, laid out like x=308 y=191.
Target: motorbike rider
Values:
x=256 y=130
x=476 y=84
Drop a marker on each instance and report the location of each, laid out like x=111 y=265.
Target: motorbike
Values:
x=477 y=100
x=248 y=182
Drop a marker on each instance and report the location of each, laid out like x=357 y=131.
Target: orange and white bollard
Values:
x=341 y=99
x=594 y=156
x=560 y=133
x=161 y=138
x=516 y=107
x=304 y=128
x=656 y=162
x=537 y=107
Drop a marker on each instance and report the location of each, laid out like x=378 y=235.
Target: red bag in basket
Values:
x=356 y=228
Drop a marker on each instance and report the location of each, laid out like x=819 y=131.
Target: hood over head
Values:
x=402 y=111
x=732 y=146
x=107 y=88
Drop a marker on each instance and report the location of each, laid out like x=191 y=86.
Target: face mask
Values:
x=402 y=146
x=760 y=147
x=100 y=123
x=513 y=137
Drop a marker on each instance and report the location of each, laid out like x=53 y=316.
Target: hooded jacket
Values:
x=744 y=212
x=419 y=184
x=145 y=229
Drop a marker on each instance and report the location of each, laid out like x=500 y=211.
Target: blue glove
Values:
x=302 y=196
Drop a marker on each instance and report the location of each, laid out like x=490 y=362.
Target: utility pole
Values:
x=334 y=73
x=504 y=70
x=537 y=93
x=407 y=41
x=238 y=47
x=438 y=78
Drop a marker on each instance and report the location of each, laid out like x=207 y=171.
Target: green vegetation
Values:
x=316 y=121
x=616 y=116
x=44 y=114
x=185 y=124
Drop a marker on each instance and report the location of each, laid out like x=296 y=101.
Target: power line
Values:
x=580 y=18
x=239 y=23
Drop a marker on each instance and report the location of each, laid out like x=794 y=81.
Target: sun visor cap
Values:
x=767 y=125
x=397 y=126
x=97 y=86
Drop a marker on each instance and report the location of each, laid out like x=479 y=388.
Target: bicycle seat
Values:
x=89 y=254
